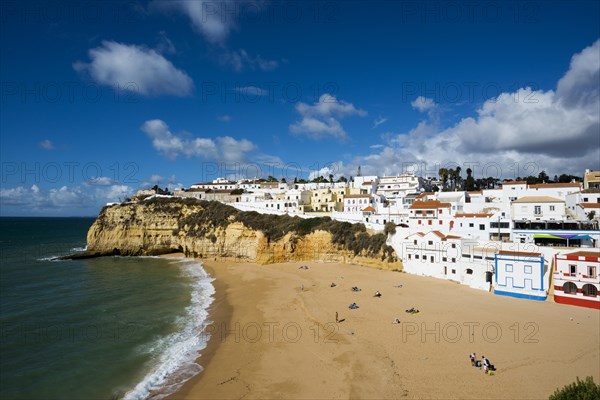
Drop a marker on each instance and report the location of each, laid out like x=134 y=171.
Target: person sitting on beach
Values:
x=332 y=284
x=353 y=306
x=355 y=289
x=486 y=364
x=472 y=356
x=396 y=321
x=377 y=294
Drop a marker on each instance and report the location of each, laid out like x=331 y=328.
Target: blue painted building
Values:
x=520 y=274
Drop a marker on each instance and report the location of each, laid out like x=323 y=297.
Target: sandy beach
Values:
x=275 y=335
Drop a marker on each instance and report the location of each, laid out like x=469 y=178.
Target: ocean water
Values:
x=105 y=328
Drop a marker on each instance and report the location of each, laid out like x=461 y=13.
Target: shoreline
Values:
x=367 y=356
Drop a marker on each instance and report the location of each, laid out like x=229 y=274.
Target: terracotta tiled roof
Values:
x=515 y=183
x=518 y=253
x=584 y=254
x=425 y=194
x=589 y=205
x=554 y=185
x=421 y=234
x=428 y=204
x=369 y=209
x=473 y=215
x=538 y=199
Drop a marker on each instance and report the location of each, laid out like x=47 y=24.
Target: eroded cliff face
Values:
x=153 y=229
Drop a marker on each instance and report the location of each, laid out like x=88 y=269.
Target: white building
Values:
x=542 y=208
x=392 y=187
x=356 y=203
x=577 y=279
x=217 y=184
x=521 y=274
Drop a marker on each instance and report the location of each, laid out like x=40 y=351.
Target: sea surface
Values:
x=104 y=328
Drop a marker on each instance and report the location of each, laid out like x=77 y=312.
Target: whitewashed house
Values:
x=543 y=208
x=577 y=279
x=520 y=274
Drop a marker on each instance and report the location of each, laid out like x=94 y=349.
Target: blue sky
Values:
x=99 y=100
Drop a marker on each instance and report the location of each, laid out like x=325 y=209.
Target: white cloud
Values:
x=213 y=19
x=378 y=121
x=240 y=60
x=251 y=91
x=423 y=104
x=136 y=69
x=100 y=181
x=224 y=118
x=319 y=120
x=579 y=86
x=114 y=193
x=522 y=132
x=165 y=45
x=62 y=199
x=46 y=145
x=172 y=145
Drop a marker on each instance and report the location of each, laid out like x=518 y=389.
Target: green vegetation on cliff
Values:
x=207 y=216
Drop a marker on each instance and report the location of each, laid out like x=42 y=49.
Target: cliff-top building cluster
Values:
x=517 y=239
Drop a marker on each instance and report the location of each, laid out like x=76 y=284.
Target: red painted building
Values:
x=577 y=279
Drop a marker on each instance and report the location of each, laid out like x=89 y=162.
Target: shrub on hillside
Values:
x=578 y=390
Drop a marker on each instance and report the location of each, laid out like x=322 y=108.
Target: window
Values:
x=453 y=260
x=440 y=222
x=429 y=222
x=591 y=271
x=471 y=225
x=444 y=259
x=481 y=227
x=431 y=258
x=573 y=270
x=440 y=212
x=537 y=210
x=410 y=256
x=416 y=256
x=589 y=290
x=453 y=245
x=430 y=242
x=551 y=208
x=509 y=268
x=528 y=269
x=453 y=271
x=469 y=271
x=415 y=241
x=570 y=288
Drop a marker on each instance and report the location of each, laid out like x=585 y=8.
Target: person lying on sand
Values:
x=353 y=306
x=396 y=321
x=356 y=289
x=412 y=310
x=398 y=286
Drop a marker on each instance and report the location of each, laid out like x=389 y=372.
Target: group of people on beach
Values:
x=487 y=366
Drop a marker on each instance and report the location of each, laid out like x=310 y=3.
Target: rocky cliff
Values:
x=214 y=230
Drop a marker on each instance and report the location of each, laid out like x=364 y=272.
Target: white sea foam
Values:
x=51 y=258
x=79 y=249
x=177 y=353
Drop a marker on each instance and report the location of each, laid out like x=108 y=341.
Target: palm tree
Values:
x=443 y=174
x=457 y=178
